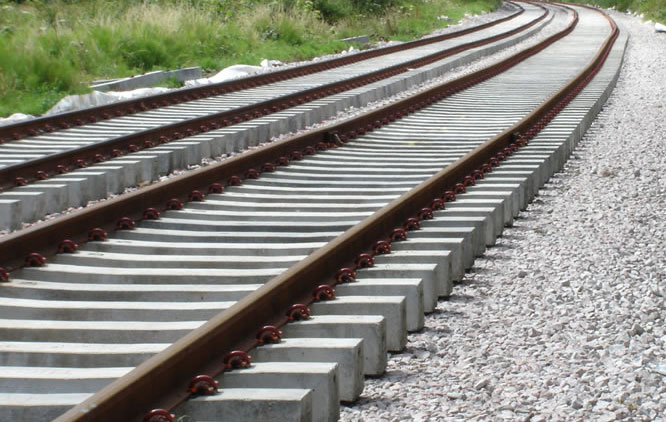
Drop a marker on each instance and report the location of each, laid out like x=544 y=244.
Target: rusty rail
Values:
x=62 y=162
x=162 y=380
x=76 y=118
x=44 y=238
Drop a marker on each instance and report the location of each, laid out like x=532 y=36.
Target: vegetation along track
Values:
x=74 y=166
x=388 y=209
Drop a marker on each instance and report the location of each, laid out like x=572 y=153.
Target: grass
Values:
x=653 y=9
x=52 y=48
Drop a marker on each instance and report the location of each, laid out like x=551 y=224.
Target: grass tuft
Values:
x=653 y=9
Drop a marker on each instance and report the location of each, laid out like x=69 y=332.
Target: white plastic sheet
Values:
x=234 y=72
x=97 y=98
x=15 y=118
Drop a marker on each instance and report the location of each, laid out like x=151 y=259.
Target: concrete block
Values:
x=56 y=195
x=459 y=215
x=456 y=246
x=74 y=273
x=495 y=180
x=33 y=204
x=495 y=190
x=251 y=405
x=472 y=241
x=132 y=172
x=494 y=207
x=410 y=289
x=426 y=272
x=37 y=407
x=148 y=79
x=11 y=213
x=361 y=39
x=347 y=353
x=112 y=178
x=320 y=377
x=390 y=307
x=112 y=311
x=20 y=379
x=75 y=355
x=34 y=289
x=370 y=328
x=443 y=282
x=95 y=331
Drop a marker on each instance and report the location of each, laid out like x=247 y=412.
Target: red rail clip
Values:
x=125 y=223
x=381 y=247
x=412 y=224
x=234 y=181
x=159 y=415
x=174 y=204
x=34 y=260
x=398 y=235
x=67 y=246
x=323 y=292
x=298 y=312
x=364 y=260
x=203 y=385
x=96 y=234
x=425 y=214
x=268 y=335
x=345 y=275
x=151 y=214
x=196 y=195
x=437 y=204
x=215 y=188
x=236 y=359
x=252 y=174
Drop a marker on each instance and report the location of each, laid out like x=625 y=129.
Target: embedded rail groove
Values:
x=398 y=202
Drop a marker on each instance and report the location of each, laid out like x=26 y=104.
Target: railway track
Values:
x=52 y=172
x=387 y=209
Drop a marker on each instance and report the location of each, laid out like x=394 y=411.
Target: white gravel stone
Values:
x=582 y=336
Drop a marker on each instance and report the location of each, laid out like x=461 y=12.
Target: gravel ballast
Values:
x=564 y=319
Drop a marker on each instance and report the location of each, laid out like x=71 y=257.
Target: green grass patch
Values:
x=652 y=9
x=53 y=48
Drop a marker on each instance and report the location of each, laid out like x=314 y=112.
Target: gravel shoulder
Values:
x=564 y=319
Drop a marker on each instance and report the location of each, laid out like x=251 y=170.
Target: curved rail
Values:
x=162 y=380
x=76 y=118
x=16 y=246
x=59 y=163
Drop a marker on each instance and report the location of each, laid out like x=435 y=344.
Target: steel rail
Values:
x=45 y=238
x=43 y=168
x=93 y=114
x=201 y=350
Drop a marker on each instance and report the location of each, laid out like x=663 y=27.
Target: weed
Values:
x=653 y=9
